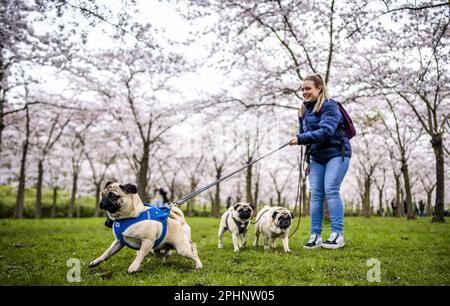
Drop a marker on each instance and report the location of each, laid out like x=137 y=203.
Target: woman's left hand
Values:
x=293 y=141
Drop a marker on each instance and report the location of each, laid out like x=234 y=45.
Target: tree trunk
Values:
x=402 y=203
x=142 y=179
x=409 y=207
x=21 y=189
x=216 y=203
x=55 y=195
x=429 y=194
x=2 y=102
x=39 y=190
x=380 y=201
x=77 y=205
x=73 y=195
x=397 y=196
x=366 y=202
x=255 y=197
x=438 y=149
x=2 y=126
x=191 y=202
x=216 y=206
x=97 y=200
x=248 y=183
x=172 y=190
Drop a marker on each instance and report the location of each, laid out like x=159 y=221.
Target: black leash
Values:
x=299 y=193
x=193 y=194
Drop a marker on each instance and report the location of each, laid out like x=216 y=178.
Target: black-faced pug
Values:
x=236 y=219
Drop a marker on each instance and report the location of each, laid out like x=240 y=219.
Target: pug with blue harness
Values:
x=144 y=228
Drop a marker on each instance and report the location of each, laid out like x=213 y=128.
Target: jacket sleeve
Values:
x=329 y=121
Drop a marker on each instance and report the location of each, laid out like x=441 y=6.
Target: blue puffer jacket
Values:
x=324 y=132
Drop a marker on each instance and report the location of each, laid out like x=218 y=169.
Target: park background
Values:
x=174 y=94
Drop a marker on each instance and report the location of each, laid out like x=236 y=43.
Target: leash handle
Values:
x=193 y=194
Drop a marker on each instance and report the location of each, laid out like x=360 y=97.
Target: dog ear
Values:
x=274 y=215
x=129 y=188
x=236 y=206
x=292 y=215
x=253 y=206
x=107 y=184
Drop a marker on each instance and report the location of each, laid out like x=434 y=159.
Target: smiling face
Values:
x=310 y=91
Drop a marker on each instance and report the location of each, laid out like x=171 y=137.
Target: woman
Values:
x=328 y=155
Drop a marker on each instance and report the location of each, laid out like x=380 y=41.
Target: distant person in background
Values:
x=416 y=209
x=228 y=202
x=394 y=208
x=405 y=207
x=422 y=208
x=160 y=198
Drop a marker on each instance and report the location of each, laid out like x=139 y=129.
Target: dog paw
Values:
x=94 y=263
x=288 y=251
x=198 y=267
x=133 y=268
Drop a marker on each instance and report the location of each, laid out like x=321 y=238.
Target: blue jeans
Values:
x=325 y=181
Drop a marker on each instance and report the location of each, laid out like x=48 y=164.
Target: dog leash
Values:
x=193 y=194
x=298 y=195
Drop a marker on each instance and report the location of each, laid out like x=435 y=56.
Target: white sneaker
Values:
x=335 y=241
x=315 y=241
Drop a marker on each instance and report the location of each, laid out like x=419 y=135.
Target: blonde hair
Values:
x=323 y=95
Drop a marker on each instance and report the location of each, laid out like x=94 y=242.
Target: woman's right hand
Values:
x=293 y=141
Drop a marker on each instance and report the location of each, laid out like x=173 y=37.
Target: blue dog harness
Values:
x=159 y=214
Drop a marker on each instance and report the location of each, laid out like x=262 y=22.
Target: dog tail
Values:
x=177 y=214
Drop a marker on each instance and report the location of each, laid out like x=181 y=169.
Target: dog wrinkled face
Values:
x=243 y=210
x=283 y=218
x=113 y=195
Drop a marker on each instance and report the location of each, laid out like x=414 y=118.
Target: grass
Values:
x=35 y=252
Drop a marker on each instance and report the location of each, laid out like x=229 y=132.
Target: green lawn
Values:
x=35 y=252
